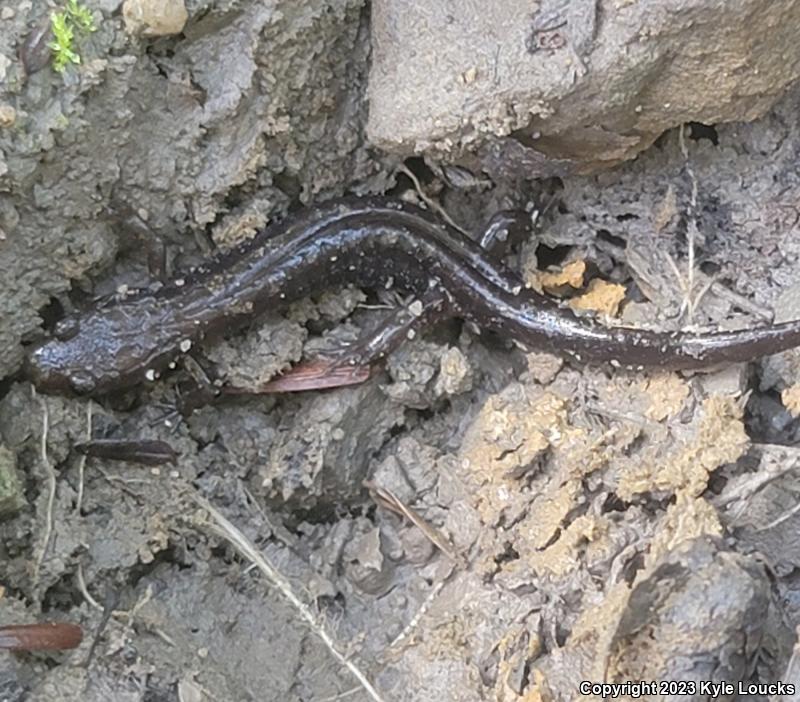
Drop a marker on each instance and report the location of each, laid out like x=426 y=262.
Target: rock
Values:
x=12 y=497
x=698 y=616
x=322 y=454
x=455 y=373
x=730 y=380
x=572 y=86
x=543 y=367
x=8 y=115
x=154 y=18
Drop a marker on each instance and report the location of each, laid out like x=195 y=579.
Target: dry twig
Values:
x=127 y=615
x=689 y=303
x=435 y=206
x=788 y=514
x=51 y=491
x=388 y=500
x=247 y=549
x=83 y=458
x=770 y=472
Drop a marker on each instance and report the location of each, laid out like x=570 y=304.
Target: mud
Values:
x=562 y=519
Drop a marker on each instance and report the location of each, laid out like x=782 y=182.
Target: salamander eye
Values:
x=66 y=328
x=82 y=382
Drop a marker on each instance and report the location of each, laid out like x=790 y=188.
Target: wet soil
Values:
x=562 y=523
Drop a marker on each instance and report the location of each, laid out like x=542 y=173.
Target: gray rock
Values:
x=550 y=87
x=12 y=495
x=697 y=617
x=154 y=18
x=323 y=452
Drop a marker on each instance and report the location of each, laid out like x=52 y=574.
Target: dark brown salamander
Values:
x=504 y=230
x=371 y=242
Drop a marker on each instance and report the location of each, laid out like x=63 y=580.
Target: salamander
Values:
x=370 y=242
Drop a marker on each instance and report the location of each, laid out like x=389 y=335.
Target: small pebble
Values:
x=154 y=18
x=8 y=115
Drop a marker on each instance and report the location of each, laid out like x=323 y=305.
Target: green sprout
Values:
x=63 y=54
x=64 y=24
x=82 y=16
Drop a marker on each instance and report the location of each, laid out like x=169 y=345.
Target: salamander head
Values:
x=62 y=364
x=88 y=355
